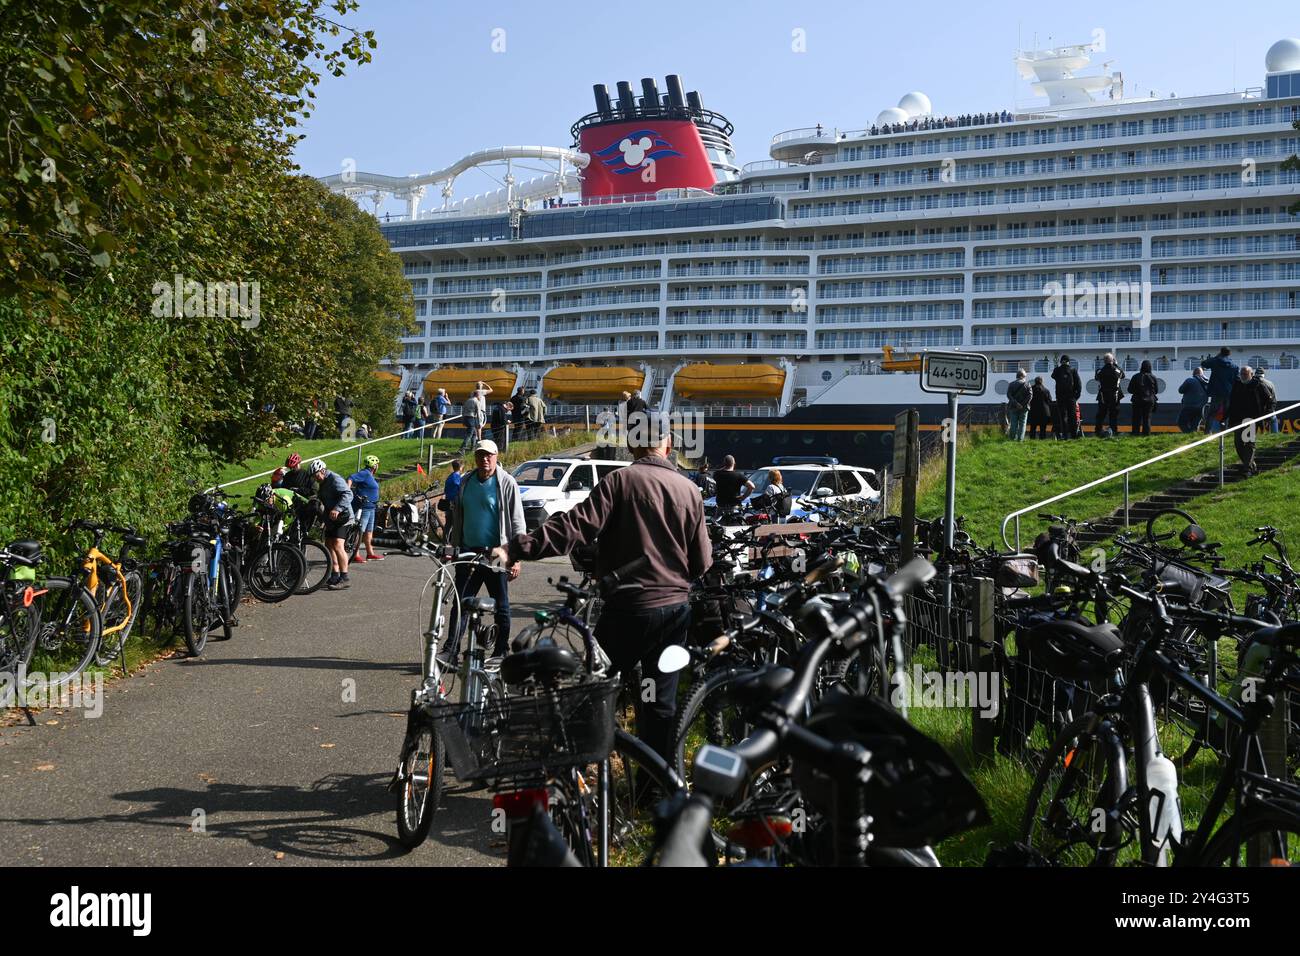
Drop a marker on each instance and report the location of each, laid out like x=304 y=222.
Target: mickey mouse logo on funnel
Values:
x=629 y=154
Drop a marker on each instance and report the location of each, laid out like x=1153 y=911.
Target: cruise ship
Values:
x=786 y=300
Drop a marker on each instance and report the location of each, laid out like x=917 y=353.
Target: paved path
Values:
x=257 y=737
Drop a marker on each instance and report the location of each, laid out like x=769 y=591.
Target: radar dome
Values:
x=916 y=104
x=1283 y=56
x=891 y=115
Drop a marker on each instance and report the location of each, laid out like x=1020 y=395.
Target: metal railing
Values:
x=357 y=447
x=1124 y=473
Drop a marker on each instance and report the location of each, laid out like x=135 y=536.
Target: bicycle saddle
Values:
x=762 y=686
x=31 y=550
x=135 y=541
x=484 y=605
x=547 y=662
x=1073 y=650
x=1283 y=635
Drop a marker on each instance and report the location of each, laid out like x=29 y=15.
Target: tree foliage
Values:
x=171 y=163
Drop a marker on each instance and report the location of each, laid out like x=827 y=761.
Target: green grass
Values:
x=996 y=476
x=393 y=453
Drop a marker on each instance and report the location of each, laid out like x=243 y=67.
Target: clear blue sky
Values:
x=436 y=90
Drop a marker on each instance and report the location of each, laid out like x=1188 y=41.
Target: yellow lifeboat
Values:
x=703 y=380
x=459 y=382
x=575 y=382
x=391 y=379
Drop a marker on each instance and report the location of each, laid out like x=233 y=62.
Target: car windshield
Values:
x=544 y=473
x=796 y=482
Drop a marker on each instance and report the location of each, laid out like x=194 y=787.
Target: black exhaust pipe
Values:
x=676 y=97
x=602 y=101
x=650 y=95
x=694 y=102
x=626 y=101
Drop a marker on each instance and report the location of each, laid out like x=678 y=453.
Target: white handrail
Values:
x=351 y=447
x=1124 y=472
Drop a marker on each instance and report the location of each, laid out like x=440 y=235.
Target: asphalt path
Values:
x=275 y=748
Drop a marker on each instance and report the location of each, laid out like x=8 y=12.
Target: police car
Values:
x=813 y=480
x=551 y=485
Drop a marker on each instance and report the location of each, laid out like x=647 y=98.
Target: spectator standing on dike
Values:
x=1196 y=392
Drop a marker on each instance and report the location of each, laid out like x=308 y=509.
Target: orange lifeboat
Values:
x=574 y=382
x=459 y=382
x=704 y=380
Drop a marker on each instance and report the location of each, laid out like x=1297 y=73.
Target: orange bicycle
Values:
x=116 y=591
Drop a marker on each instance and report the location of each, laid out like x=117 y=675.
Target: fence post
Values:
x=983 y=636
x=884 y=492
x=1126 y=499
x=429 y=470
x=1273 y=742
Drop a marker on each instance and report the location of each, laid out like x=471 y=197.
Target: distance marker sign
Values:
x=954 y=373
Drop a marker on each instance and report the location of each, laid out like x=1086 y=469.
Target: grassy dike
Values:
x=996 y=476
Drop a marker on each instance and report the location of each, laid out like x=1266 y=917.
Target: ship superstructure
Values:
x=1154 y=227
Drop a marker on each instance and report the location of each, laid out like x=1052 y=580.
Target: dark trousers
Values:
x=1245 y=451
x=1189 y=418
x=1108 y=411
x=1064 y=422
x=1038 y=429
x=469 y=580
x=630 y=635
x=1141 y=418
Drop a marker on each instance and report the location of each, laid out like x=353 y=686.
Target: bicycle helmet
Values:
x=316 y=466
x=293 y=461
x=199 y=504
x=263 y=492
x=372 y=461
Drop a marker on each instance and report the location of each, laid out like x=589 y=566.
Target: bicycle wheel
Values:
x=197 y=614
x=19 y=628
x=407 y=525
x=1081 y=779
x=317 y=562
x=1274 y=832
x=352 y=540
x=70 y=630
x=639 y=780
x=116 y=613
x=223 y=608
x=276 y=573
x=420 y=773
x=709 y=716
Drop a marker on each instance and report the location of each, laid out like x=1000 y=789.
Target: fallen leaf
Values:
x=280 y=855
x=51 y=723
x=45 y=766
x=327 y=746
x=207 y=778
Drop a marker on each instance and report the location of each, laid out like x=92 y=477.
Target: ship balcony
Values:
x=602 y=301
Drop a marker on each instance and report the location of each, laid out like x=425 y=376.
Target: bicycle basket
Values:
x=532 y=734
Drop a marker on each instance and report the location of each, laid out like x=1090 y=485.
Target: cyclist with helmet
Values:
x=298 y=481
x=365 y=497
x=336 y=498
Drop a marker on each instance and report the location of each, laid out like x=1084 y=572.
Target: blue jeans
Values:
x=1018 y=420
x=629 y=635
x=468 y=582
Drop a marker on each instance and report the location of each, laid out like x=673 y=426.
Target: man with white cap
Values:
x=486 y=514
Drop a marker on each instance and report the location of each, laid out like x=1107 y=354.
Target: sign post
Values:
x=953 y=374
x=907 y=465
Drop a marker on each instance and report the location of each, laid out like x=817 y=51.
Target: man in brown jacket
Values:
x=648 y=509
